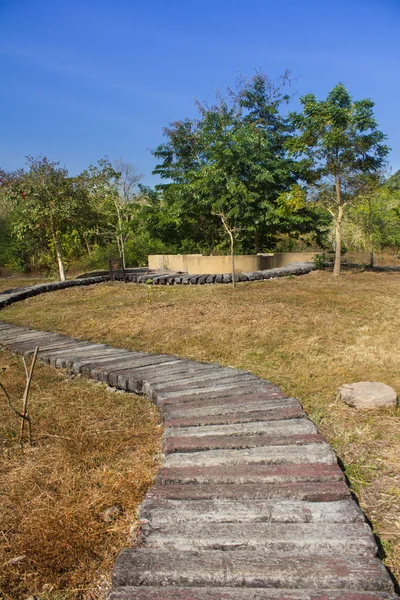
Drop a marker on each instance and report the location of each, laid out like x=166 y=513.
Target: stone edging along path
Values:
x=249 y=503
x=141 y=276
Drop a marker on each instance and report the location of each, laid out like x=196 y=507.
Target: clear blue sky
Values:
x=80 y=79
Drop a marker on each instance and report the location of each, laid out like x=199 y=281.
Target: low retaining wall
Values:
x=201 y=265
x=172 y=278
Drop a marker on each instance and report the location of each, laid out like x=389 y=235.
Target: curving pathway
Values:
x=250 y=502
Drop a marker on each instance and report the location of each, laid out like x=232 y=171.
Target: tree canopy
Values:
x=245 y=174
x=233 y=160
x=336 y=141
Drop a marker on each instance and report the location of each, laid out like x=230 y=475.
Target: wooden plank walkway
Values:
x=250 y=502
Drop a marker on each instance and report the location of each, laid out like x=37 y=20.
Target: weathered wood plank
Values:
x=252 y=569
x=270 y=538
x=161 y=511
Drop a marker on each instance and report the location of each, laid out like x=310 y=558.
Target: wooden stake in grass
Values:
x=230 y=231
x=25 y=397
x=24 y=416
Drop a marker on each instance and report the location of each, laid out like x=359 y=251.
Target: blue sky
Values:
x=81 y=79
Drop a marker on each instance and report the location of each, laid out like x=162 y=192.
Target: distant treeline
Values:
x=245 y=175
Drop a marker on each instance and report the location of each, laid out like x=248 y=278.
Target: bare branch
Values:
x=9 y=401
x=26 y=368
x=25 y=399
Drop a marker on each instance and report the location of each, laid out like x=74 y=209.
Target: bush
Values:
x=321 y=261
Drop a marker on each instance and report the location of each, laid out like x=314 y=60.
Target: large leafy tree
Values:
x=231 y=165
x=47 y=206
x=337 y=141
x=183 y=215
x=11 y=254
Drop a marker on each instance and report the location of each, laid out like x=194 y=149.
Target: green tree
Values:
x=233 y=161
x=373 y=220
x=336 y=140
x=114 y=196
x=393 y=182
x=10 y=251
x=47 y=205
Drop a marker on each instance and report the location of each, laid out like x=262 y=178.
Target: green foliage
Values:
x=47 y=205
x=321 y=261
x=232 y=161
x=393 y=182
x=338 y=136
x=114 y=197
x=373 y=221
x=243 y=168
x=337 y=142
x=149 y=290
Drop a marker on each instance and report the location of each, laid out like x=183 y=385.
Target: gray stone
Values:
x=227 y=408
x=270 y=538
x=267 y=455
x=293 y=427
x=240 y=593
x=368 y=394
x=240 y=568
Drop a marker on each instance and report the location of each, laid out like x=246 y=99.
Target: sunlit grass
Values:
x=308 y=334
x=92 y=450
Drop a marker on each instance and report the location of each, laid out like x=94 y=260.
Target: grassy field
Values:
x=308 y=334
x=92 y=450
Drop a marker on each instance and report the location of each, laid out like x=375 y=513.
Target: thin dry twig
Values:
x=26 y=417
x=9 y=401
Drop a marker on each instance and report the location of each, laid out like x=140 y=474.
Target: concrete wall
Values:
x=197 y=264
x=174 y=262
x=281 y=259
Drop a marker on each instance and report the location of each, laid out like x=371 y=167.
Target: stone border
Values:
x=15 y=295
x=186 y=279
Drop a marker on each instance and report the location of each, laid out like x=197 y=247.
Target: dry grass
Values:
x=387 y=258
x=308 y=335
x=93 y=449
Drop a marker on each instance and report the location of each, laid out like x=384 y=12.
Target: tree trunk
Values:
x=211 y=245
x=371 y=253
x=257 y=241
x=338 y=242
x=120 y=236
x=122 y=242
x=60 y=262
x=229 y=232
x=89 y=251
x=233 y=259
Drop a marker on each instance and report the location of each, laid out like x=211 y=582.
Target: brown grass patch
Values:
x=93 y=449
x=308 y=334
